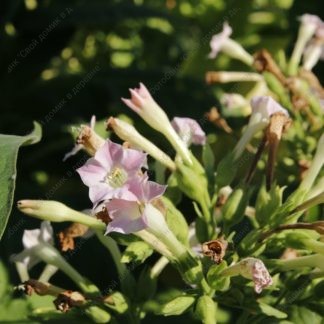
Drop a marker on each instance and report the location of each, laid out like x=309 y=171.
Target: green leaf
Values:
x=117 y=302
x=177 y=306
x=267 y=203
x=216 y=281
x=271 y=311
x=206 y=310
x=176 y=221
x=136 y=252
x=9 y=146
x=208 y=159
x=302 y=315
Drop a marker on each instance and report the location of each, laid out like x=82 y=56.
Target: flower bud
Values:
x=128 y=132
x=55 y=211
x=146 y=107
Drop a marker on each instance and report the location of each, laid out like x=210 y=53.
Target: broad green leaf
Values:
x=177 y=306
x=206 y=310
x=176 y=221
x=271 y=311
x=9 y=146
x=136 y=252
x=215 y=280
x=302 y=315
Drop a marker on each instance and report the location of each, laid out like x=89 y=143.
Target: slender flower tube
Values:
x=226 y=77
x=189 y=131
x=38 y=246
x=145 y=106
x=263 y=107
x=309 y=25
x=311 y=261
x=128 y=132
x=55 y=211
x=251 y=268
x=315 y=167
x=222 y=42
x=314 y=51
x=112 y=172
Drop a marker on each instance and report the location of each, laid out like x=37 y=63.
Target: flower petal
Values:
x=126 y=217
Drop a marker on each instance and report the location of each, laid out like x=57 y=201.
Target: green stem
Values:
x=158 y=267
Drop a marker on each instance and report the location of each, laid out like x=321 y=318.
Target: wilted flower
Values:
x=189 y=131
x=253 y=269
x=263 y=107
x=145 y=106
x=87 y=139
x=112 y=172
x=223 y=42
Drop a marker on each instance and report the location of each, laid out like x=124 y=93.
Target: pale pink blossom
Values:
x=266 y=106
x=189 y=131
x=219 y=39
x=146 y=107
x=132 y=216
x=113 y=172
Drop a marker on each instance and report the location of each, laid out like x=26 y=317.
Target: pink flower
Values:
x=311 y=20
x=252 y=268
x=218 y=40
x=189 y=131
x=113 y=172
x=132 y=216
x=145 y=106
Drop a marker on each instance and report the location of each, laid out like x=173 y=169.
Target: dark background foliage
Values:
x=48 y=47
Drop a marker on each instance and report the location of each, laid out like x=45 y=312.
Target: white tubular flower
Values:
x=253 y=269
x=128 y=133
x=263 y=107
x=33 y=242
x=309 y=25
x=223 y=42
x=38 y=246
x=315 y=50
x=145 y=106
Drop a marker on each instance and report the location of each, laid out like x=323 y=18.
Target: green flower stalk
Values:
x=309 y=261
x=315 y=167
x=128 y=132
x=55 y=211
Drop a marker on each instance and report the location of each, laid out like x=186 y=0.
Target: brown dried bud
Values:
x=263 y=61
x=68 y=299
x=40 y=288
x=215 y=118
x=66 y=237
x=90 y=140
x=103 y=215
x=215 y=249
